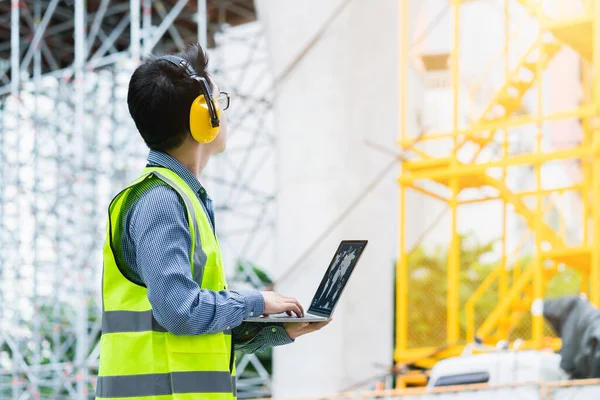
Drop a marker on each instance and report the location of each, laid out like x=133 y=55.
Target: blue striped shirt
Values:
x=158 y=216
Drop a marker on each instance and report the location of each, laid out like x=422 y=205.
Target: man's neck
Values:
x=192 y=158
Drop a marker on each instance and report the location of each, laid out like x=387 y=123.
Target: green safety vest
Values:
x=139 y=359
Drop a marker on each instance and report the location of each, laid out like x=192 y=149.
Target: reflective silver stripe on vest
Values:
x=164 y=384
x=132 y=321
x=129 y=321
x=199 y=256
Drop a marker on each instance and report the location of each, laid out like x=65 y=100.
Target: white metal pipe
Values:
x=112 y=38
x=79 y=144
x=68 y=26
x=39 y=34
x=45 y=49
x=202 y=21
x=172 y=30
x=103 y=37
x=37 y=55
x=135 y=29
x=96 y=25
x=147 y=26
x=166 y=22
x=15 y=91
x=14 y=47
x=37 y=74
x=68 y=72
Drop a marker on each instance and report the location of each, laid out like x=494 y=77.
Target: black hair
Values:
x=160 y=96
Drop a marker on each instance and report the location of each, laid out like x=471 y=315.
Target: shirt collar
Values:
x=158 y=158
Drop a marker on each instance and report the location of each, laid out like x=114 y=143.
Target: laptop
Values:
x=332 y=285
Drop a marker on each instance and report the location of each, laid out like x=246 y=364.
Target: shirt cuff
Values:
x=268 y=337
x=255 y=302
x=275 y=335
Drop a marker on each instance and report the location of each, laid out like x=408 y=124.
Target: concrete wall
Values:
x=343 y=92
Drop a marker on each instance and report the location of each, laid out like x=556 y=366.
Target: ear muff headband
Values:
x=204 y=113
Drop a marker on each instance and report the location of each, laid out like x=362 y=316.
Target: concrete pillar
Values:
x=343 y=92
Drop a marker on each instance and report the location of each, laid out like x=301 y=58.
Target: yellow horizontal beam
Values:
x=521 y=159
x=542 y=192
x=587 y=110
x=562 y=189
x=426 y=356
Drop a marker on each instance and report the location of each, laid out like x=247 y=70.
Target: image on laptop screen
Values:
x=337 y=275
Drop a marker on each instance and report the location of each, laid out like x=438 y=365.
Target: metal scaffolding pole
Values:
x=78 y=156
x=15 y=51
x=147 y=26
x=202 y=25
x=135 y=29
x=37 y=71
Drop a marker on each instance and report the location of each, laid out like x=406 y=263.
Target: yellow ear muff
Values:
x=200 y=126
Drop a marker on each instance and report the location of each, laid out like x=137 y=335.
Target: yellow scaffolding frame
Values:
x=525 y=286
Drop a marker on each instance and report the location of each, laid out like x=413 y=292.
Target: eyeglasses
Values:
x=224 y=100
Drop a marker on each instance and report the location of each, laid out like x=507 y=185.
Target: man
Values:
x=169 y=323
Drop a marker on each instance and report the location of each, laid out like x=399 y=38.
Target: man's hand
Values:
x=297 y=329
x=276 y=303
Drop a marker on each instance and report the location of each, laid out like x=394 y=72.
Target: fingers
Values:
x=276 y=303
x=296 y=304
x=301 y=308
x=293 y=300
x=295 y=308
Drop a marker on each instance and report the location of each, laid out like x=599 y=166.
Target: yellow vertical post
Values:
x=585 y=284
x=402 y=280
x=586 y=162
x=538 y=276
x=586 y=84
x=503 y=279
x=453 y=295
x=595 y=267
x=401 y=263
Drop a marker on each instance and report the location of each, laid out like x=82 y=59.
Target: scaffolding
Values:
x=67 y=145
x=480 y=160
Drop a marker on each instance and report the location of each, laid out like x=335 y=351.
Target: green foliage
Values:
x=245 y=268
x=427 y=288
x=565 y=282
x=428 y=284
x=56 y=339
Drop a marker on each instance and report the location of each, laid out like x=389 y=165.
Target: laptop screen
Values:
x=336 y=276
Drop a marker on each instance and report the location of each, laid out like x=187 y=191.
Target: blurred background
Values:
x=458 y=136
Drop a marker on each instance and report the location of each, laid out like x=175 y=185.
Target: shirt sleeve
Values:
x=252 y=337
x=160 y=233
